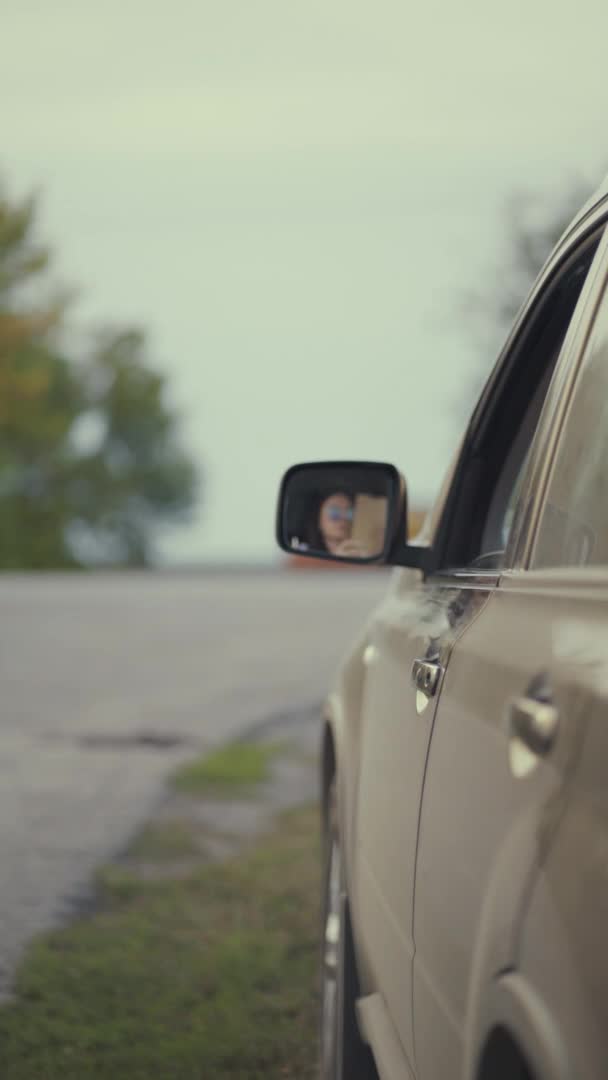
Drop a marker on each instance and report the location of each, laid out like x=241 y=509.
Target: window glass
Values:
x=573 y=528
x=503 y=503
x=492 y=476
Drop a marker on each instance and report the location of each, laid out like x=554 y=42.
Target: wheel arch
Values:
x=502 y=1058
x=517 y=1023
x=328 y=760
x=340 y=757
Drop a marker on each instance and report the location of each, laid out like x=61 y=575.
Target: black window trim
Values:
x=437 y=565
x=528 y=530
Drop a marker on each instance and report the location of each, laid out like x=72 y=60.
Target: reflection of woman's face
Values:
x=335 y=518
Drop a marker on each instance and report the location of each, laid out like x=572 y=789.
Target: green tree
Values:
x=533 y=224
x=90 y=461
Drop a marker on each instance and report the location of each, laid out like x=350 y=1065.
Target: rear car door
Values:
x=561 y=954
x=507 y=731
x=417 y=628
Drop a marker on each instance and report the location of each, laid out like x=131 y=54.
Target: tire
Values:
x=344 y=1056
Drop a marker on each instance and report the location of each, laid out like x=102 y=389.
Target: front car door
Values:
x=414 y=623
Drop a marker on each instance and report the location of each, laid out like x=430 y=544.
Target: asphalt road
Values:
x=107 y=681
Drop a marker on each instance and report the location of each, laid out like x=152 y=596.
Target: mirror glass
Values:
x=338 y=511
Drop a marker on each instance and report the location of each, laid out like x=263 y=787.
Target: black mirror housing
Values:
x=345 y=511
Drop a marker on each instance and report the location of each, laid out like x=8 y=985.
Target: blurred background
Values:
x=233 y=236
x=288 y=232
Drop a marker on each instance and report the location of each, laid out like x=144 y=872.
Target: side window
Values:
x=487 y=490
x=573 y=529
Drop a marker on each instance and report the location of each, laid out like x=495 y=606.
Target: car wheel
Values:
x=344 y=1056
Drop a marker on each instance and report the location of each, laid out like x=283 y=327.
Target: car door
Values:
x=506 y=736
x=561 y=950
x=396 y=729
x=415 y=632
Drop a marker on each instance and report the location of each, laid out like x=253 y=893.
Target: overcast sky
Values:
x=290 y=198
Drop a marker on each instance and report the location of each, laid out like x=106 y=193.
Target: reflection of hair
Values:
x=313 y=535
x=312 y=531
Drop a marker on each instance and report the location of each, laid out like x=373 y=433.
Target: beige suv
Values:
x=465 y=744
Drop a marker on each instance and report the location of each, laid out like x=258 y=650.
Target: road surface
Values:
x=107 y=681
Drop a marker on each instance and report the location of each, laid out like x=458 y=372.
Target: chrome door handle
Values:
x=425 y=676
x=534 y=722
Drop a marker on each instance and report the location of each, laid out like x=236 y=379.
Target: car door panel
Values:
x=394 y=745
x=414 y=624
x=490 y=809
x=561 y=948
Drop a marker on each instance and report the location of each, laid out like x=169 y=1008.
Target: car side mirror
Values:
x=345 y=510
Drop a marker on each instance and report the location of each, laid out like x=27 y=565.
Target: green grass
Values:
x=165 y=841
x=208 y=977
x=235 y=768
